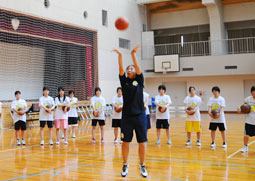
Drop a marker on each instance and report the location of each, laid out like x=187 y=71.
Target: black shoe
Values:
x=124 y=170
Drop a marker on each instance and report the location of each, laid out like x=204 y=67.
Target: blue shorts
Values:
x=131 y=123
x=148 y=121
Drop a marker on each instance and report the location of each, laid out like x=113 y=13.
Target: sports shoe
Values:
x=188 y=143
x=51 y=142
x=18 y=142
x=158 y=142
x=73 y=135
x=213 y=144
x=169 y=142
x=121 y=142
x=124 y=170
x=115 y=141
x=244 y=149
x=93 y=140
x=224 y=145
x=65 y=142
x=57 y=142
x=23 y=142
x=42 y=142
x=102 y=140
x=143 y=170
x=199 y=143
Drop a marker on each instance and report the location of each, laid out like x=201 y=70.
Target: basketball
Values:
x=118 y=110
x=162 y=109
x=20 y=109
x=215 y=112
x=121 y=23
x=190 y=109
x=68 y=108
x=96 y=113
x=245 y=108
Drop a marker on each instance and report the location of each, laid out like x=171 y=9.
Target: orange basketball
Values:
x=118 y=110
x=245 y=108
x=190 y=109
x=162 y=109
x=121 y=23
x=64 y=107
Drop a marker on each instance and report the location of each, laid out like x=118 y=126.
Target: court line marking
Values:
x=228 y=157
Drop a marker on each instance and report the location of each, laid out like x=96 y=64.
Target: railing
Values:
x=202 y=48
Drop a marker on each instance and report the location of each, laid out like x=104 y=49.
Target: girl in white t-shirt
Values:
x=72 y=114
x=19 y=108
x=216 y=106
x=47 y=107
x=192 y=103
x=249 y=130
x=61 y=114
x=117 y=103
x=163 y=102
x=98 y=105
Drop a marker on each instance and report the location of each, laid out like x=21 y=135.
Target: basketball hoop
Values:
x=165 y=70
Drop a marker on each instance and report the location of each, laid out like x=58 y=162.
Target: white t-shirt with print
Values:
x=217 y=103
x=163 y=100
x=193 y=102
x=118 y=101
x=19 y=104
x=44 y=115
x=59 y=113
x=98 y=103
x=250 y=118
x=73 y=109
x=145 y=97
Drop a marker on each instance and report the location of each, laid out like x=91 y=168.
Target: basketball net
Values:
x=165 y=70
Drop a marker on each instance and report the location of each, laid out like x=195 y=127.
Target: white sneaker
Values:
x=188 y=143
x=115 y=141
x=244 y=149
x=93 y=140
x=224 y=145
x=65 y=142
x=42 y=142
x=169 y=142
x=51 y=142
x=73 y=136
x=143 y=170
x=57 y=142
x=213 y=144
x=158 y=142
x=199 y=143
x=124 y=170
x=121 y=142
x=23 y=142
x=18 y=142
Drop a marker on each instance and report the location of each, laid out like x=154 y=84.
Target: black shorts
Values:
x=116 y=123
x=20 y=125
x=148 y=121
x=73 y=121
x=94 y=122
x=131 y=123
x=213 y=126
x=249 y=130
x=162 y=123
x=49 y=124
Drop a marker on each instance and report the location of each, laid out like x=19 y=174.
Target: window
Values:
x=104 y=18
x=123 y=43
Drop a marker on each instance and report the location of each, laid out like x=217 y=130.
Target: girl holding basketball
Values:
x=133 y=114
x=193 y=119
x=117 y=103
x=47 y=107
x=216 y=106
x=250 y=120
x=163 y=102
x=98 y=105
x=62 y=103
x=72 y=114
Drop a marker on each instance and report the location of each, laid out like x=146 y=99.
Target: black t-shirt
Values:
x=132 y=95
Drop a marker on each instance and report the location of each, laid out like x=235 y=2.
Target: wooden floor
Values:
x=82 y=160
